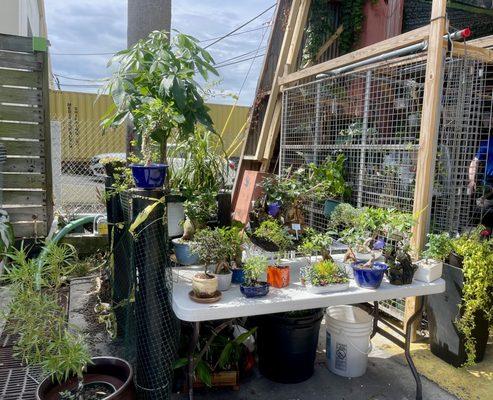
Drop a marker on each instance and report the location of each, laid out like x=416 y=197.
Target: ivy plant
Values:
x=155 y=85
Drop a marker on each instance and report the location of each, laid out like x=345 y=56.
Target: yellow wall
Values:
x=82 y=137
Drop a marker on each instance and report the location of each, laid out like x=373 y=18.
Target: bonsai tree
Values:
x=254 y=267
x=212 y=249
x=271 y=230
x=234 y=238
x=401 y=267
x=438 y=247
x=155 y=85
x=198 y=211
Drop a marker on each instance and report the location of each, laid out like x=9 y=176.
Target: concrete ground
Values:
x=387 y=378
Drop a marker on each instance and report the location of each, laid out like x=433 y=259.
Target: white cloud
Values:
x=94 y=26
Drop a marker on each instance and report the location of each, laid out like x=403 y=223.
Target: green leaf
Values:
x=224 y=358
x=204 y=373
x=244 y=336
x=181 y=362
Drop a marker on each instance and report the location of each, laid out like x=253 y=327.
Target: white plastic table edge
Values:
x=292 y=298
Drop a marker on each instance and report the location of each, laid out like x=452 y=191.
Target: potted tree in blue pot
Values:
x=155 y=86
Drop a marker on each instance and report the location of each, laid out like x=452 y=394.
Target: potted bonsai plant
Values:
x=198 y=211
x=273 y=231
x=212 y=250
x=438 y=249
x=459 y=319
x=234 y=237
x=401 y=268
x=369 y=274
x=325 y=276
x=155 y=86
x=254 y=267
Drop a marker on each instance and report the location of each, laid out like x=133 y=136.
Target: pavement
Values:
x=387 y=378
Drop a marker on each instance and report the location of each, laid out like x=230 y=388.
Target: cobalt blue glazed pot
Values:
x=273 y=209
x=238 y=275
x=149 y=176
x=369 y=278
x=255 y=291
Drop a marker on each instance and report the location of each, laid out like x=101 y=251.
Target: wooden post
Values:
x=274 y=93
x=430 y=119
x=289 y=67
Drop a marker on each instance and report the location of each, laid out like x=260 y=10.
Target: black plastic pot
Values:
x=446 y=341
x=287 y=345
x=455 y=259
x=111 y=370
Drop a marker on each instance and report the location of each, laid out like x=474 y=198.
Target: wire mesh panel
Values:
x=373 y=115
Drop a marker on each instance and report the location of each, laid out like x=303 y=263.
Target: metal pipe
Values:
x=364 y=135
x=415 y=48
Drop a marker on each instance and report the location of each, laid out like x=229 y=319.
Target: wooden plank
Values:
x=475 y=52
x=283 y=55
x=20 y=113
x=24 y=164
x=486 y=41
x=394 y=43
x=20 y=78
x=27 y=197
x=29 y=229
x=294 y=49
x=16 y=43
x=20 y=60
x=20 y=95
x=26 y=213
x=15 y=180
x=23 y=148
x=21 y=131
x=428 y=137
x=326 y=46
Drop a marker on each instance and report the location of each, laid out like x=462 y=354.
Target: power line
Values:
x=239 y=61
x=241 y=26
x=263 y=26
x=80 y=79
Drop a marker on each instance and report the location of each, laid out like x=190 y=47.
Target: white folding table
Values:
x=294 y=297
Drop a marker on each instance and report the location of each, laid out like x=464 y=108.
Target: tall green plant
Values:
x=155 y=85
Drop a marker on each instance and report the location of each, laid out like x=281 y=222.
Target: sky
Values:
x=84 y=33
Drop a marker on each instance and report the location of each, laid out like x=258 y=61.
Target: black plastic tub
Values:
x=446 y=341
x=287 y=345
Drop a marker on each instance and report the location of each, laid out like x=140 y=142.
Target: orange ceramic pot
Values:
x=278 y=276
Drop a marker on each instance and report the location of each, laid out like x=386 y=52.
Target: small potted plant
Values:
x=325 y=276
x=401 y=268
x=234 y=237
x=198 y=211
x=254 y=267
x=278 y=274
x=437 y=251
x=211 y=249
x=369 y=274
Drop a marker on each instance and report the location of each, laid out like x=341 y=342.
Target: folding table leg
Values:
x=191 y=366
x=375 y=319
x=407 y=352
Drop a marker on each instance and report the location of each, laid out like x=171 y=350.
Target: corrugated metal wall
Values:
x=81 y=113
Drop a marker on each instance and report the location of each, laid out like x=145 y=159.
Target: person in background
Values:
x=483 y=158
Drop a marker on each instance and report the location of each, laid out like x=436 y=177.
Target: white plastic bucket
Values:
x=348 y=340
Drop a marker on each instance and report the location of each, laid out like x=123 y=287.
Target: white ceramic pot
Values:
x=204 y=287
x=224 y=281
x=336 y=287
x=428 y=270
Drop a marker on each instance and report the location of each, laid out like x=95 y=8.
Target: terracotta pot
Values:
x=204 y=285
x=111 y=370
x=278 y=276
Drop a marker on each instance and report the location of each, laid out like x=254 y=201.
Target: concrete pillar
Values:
x=145 y=16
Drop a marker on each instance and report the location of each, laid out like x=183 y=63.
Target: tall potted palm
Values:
x=155 y=85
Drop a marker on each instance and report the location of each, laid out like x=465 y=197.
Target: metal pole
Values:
x=363 y=138
x=317 y=140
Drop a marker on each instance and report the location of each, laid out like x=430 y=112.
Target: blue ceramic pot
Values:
x=183 y=254
x=238 y=275
x=255 y=291
x=273 y=209
x=149 y=176
x=370 y=278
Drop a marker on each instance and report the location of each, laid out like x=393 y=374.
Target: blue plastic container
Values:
x=369 y=278
x=238 y=275
x=149 y=176
x=273 y=209
x=183 y=254
x=255 y=291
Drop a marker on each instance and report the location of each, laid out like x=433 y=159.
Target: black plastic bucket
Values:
x=446 y=341
x=287 y=345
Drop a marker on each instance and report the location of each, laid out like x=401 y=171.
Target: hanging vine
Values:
x=320 y=26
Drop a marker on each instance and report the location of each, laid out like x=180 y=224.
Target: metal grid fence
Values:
x=373 y=117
